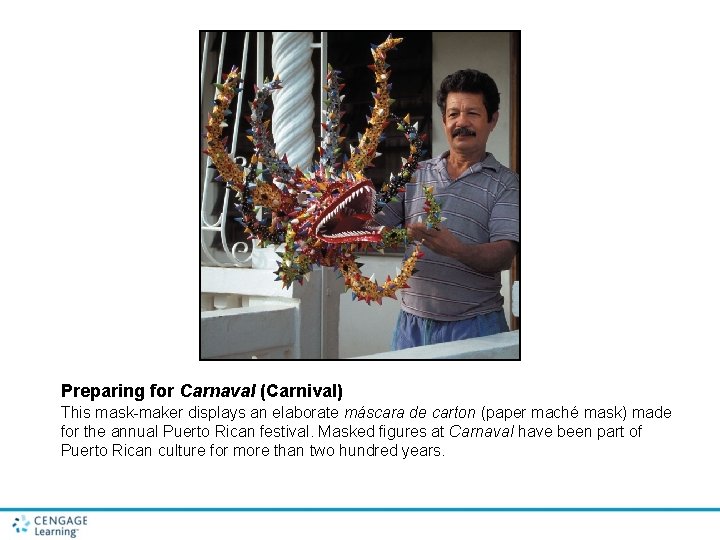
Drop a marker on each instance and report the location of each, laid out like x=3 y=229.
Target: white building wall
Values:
x=367 y=329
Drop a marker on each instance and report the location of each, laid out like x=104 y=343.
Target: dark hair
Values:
x=470 y=81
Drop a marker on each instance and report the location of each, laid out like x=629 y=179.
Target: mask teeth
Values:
x=346 y=234
x=344 y=204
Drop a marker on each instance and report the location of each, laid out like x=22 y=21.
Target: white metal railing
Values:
x=239 y=253
x=207 y=222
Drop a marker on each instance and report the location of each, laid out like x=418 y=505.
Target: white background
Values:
x=619 y=140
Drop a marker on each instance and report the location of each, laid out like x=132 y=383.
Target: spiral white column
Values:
x=294 y=107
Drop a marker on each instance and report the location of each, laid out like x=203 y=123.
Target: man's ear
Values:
x=494 y=119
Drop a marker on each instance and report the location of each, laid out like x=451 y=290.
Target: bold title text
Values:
x=266 y=391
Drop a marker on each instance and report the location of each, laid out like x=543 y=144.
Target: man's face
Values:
x=467 y=126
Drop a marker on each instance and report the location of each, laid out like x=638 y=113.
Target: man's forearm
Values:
x=489 y=258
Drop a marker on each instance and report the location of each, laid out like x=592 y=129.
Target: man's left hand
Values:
x=441 y=240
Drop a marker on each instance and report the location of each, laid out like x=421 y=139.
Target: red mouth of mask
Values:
x=345 y=218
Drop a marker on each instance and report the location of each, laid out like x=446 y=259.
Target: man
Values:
x=455 y=293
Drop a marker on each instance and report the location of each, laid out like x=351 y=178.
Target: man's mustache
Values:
x=463 y=131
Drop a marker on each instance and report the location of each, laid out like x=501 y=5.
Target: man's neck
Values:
x=458 y=163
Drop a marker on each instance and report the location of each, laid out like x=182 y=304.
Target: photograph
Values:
x=360 y=195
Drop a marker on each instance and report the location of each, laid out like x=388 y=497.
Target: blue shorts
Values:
x=414 y=331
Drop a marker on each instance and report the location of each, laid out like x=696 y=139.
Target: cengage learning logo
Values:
x=21 y=524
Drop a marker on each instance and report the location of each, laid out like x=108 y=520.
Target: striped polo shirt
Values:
x=481 y=205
